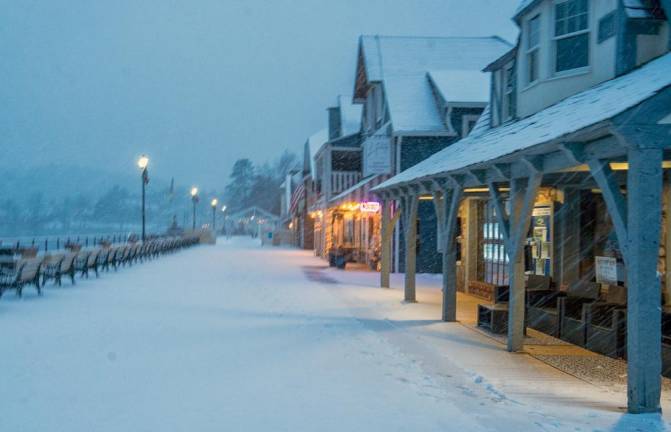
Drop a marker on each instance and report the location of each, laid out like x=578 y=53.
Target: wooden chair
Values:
x=67 y=268
x=30 y=275
x=576 y=310
x=51 y=268
x=542 y=305
x=607 y=324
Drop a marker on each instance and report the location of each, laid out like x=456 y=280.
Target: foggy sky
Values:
x=194 y=84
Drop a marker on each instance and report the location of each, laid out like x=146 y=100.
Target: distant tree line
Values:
x=258 y=186
x=117 y=209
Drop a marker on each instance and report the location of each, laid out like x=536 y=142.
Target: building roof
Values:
x=457 y=86
x=523 y=6
x=570 y=115
x=637 y=9
x=402 y=64
x=350 y=115
x=312 y=146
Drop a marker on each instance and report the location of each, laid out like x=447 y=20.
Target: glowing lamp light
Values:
x=369 y=207
x=194 y=191
x=214 y=202
x=350 y=206
x=223 y=208
x=143 y=162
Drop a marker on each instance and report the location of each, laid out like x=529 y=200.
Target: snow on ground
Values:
x=239 y=338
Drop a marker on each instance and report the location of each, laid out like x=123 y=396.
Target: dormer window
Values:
x=571 y=35
x=533 y=48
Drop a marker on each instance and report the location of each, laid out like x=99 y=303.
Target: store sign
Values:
x=377 y=155
x=369 y=207
x=606 y=270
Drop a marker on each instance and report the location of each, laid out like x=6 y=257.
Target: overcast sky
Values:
x=195 y=84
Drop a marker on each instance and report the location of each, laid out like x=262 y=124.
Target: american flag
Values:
x=296 y=197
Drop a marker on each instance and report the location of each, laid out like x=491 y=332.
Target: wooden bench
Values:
x=51 y=268
x=27 y=272
x=493 y=317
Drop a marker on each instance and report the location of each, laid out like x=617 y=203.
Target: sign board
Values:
x=369 y=207
x=377 y=155
x=606 y=270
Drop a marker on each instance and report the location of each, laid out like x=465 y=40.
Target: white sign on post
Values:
x=377 y=155
x=606 y=270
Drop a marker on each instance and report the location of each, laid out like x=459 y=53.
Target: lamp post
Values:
x=194 y=199
x=214 y=203
x=143 y=163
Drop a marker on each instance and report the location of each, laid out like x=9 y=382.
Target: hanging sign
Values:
x=369 y=207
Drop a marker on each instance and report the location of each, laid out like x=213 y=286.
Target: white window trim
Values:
x=530 y=50
x=507 y=91
x=555 y=38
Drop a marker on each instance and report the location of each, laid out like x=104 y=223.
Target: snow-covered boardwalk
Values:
x=239 y=338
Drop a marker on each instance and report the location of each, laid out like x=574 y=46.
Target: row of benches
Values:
x=38 y=270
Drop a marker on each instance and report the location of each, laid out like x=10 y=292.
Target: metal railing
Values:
x=52 y=243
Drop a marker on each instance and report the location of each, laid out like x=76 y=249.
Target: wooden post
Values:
x=385 y=241
x=514 y=228
x=667 y=239
x=409 y=207
x=447 y=209
x=644 y=193
x=569 y=242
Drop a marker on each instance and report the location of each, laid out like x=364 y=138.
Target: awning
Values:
x=360 y=192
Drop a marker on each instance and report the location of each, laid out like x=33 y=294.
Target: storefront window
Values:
x=494 y=260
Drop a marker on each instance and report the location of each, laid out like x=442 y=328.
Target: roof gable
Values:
x=401 y=64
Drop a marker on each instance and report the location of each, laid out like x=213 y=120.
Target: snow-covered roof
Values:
x=637 y=9
x=402 y=64
x=411 y=105
x=524 y=4
x=350 y=115
x=313 y=145
x=461 y=85
x=570 y=115
x=484 y=122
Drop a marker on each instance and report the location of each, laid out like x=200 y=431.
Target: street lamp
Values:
x=194 y=199
x=214 y=203
x=143 y=163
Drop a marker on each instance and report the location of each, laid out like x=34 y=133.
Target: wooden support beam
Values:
x=644 y=193
x=451 y=201
x=499 y=207
x=410 y=205
x=385 y=252
x=534 y=163
x=574 y=151
x=480 y=176
x=522 y=198
x=502 y=170
x=610 y=189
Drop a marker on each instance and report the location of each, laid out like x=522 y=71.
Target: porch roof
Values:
x=576 y=113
